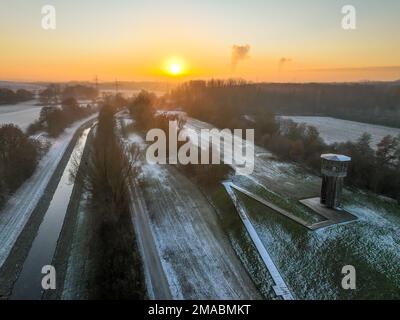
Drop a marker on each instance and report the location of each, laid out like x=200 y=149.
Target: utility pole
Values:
x=96 y=83
x=116 y=86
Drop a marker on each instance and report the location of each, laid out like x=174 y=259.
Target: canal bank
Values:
x=71 y=258
x=12 y=267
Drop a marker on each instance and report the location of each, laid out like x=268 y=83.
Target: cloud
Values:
x=282 y=62
x=239 y=53
x=362 y=69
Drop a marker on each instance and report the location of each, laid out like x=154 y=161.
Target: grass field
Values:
x=311 y=261
x=337 y=130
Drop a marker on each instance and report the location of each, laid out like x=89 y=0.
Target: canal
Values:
x=28 y=285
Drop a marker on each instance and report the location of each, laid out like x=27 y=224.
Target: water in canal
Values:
x=28 y=285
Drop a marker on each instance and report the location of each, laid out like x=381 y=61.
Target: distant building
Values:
x=333 y=169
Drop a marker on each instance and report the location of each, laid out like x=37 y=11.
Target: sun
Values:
x=175 y=69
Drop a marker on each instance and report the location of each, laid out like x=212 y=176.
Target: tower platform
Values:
x=333 y=216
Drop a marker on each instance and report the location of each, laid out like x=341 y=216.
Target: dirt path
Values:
x=196 y=255
x=156 y=281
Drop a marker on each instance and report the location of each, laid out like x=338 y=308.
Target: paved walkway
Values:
x=332 y=216
x=280 y=288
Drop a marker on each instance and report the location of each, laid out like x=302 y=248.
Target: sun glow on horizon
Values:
x=175 y=67
x=162 y=41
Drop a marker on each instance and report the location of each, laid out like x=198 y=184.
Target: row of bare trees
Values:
x=53 y=94
x=377 y=103
x=8 y=96
x=108 y=170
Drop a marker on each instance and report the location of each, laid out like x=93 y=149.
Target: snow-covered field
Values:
x=311 y=262
x=337 y=130
x=21 y=114
x=266 y=171
x=20 y=206
x=196 y=256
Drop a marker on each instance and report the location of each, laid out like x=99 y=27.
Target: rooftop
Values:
x=335 y=157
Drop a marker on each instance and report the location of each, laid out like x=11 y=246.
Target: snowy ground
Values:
x=198 y=259
x=20 y=206
x=266 y=170
x=337 y=130
x=311 y=262
x=21 y=114
x=24 y=113
x=196 y=256
x=78 y=263
x=280 y=286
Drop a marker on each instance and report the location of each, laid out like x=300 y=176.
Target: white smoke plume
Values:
x=239 y=52
x=282 y=62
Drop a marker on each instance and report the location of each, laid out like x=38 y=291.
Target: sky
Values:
x=175 y=40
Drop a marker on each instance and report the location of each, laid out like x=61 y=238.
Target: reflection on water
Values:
x=28 y=285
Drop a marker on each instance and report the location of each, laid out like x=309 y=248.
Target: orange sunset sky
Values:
x=290 y=41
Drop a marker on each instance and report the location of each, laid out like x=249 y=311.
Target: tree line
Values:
x=376 y=169
x=55 y=93
x=18 y=159
x=143 y=112
x=8 y=96
x=377 y=103
x=239 y=105
x=19 y=154
x=117 y=269
x=54 y=119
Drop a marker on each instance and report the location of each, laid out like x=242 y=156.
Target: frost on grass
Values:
x=196 y=256
x=311 y=262
x=21 y=114
x=336 y=130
